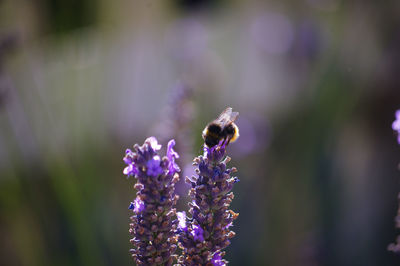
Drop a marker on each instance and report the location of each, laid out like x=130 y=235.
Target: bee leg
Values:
x=228 y=140
x=224 y=142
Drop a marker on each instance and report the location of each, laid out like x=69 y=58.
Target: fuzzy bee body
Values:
x=222 y=128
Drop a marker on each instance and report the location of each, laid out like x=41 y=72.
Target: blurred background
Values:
x=316 y=83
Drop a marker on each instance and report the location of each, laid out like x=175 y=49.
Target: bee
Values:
x=222 y=128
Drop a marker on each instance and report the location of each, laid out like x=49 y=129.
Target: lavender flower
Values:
x=395 y=247
x=153 y=223
x=207 y=232
x=175 y=122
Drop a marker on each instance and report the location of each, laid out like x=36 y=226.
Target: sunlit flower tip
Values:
x=170 y=150
x=153 y=143
x=172 y=155
x=181 y=220
x=197 y=233
x=217 y=260
x=154 y=166
x=137 y=205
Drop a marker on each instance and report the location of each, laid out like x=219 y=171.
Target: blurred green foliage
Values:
x=66 y=15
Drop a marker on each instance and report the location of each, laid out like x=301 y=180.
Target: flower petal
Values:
x=181 y=220
x=197 y=233
x=153 y=143
x=154 y=166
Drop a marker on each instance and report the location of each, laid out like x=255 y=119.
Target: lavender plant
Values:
x=395 y=247
x=153 y=222
x=204 y=235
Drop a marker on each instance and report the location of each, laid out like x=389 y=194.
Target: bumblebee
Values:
x=222 y=128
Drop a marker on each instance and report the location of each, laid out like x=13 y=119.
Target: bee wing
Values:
x=226 y=113
x=227 y=116
x=234 y=115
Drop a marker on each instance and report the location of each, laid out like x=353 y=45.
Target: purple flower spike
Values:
x=396 y=125
x=209 y=227
x=153 y=225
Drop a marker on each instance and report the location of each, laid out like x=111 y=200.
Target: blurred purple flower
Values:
x=396 y=125
x=308 y=41
x=273 y=33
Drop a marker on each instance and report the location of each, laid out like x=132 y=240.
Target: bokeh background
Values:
x=316 y=83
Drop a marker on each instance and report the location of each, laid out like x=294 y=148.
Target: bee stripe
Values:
x=236 y=134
